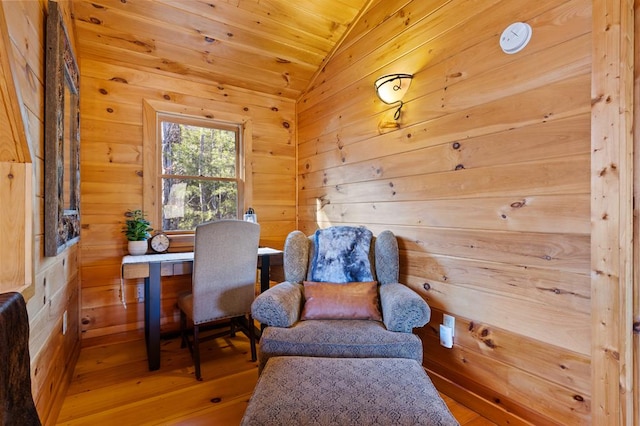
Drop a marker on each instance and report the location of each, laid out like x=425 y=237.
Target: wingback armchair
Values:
x=309 y=314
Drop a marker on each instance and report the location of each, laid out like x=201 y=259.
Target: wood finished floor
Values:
x=112 y=386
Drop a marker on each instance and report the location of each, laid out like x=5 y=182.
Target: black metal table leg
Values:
x=264 y=273
x=152 y=315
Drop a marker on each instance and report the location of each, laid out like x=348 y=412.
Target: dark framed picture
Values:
x=61 y=139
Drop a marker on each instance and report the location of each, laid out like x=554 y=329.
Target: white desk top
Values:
x=170 y=257
x=162 y=257
x=176 y=257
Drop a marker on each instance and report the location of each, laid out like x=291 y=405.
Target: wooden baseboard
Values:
x=476 y=403
x=61 y=392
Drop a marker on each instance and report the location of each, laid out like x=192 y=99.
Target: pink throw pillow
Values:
x=357 y=300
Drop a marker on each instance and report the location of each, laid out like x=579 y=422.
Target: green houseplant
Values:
x=137 y=230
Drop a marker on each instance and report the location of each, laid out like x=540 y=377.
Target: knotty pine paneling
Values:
x=485 y=179
x=112 y=164
x=567 y=368
x=514 y=389
x=555 y=252
x=56 y=279
x=547 y=287
x=268 y=46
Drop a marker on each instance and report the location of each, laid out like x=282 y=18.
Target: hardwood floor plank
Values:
x=112 y=386
x=226 y=414
x=463 y=415
x=167 y=405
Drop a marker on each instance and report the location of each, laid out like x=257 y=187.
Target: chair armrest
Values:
x=279 y=306
x=402 y=308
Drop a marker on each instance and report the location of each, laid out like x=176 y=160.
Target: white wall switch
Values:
x=449 y=321
x=446 y=336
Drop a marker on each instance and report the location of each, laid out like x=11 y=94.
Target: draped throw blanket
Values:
x=342 y=255
x=16 y=401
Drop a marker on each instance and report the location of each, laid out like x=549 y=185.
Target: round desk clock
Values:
x=160 y=242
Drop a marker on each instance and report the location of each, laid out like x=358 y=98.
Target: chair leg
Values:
x=196 y=351
x=252 y=338
x=183 y=329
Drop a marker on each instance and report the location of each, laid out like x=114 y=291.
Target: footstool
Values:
x=345 y=391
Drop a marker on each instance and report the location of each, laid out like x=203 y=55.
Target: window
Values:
x=199 y=172
x=195 y=169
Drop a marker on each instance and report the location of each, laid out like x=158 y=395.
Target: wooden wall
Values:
x=111 y=175
x=112 y=98
x=56 y=279
x=486 y=181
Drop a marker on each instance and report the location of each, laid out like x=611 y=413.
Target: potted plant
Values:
x=136 y=229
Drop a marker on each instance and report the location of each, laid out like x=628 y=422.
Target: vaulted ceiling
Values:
x=270 y=46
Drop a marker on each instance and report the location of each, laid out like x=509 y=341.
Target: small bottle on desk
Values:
x=251 y=216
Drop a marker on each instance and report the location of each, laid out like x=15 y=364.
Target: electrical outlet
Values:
x=446 y=338
x=449 y=321
x=140 y=292
x=64 y=323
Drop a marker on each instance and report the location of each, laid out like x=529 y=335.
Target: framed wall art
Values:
x=61 y=139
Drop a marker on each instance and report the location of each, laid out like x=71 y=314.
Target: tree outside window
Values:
x=199 y=173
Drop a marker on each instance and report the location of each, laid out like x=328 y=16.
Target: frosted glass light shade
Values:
x=392 y=88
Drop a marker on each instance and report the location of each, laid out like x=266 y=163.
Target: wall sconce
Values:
x=391 y=89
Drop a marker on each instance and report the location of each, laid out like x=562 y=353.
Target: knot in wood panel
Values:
x=119 y=80
x=483 y=335
x=612 y=353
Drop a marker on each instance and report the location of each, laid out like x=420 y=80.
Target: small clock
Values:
x=159 y=242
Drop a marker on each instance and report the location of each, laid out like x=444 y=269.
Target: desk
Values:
x=153 y=266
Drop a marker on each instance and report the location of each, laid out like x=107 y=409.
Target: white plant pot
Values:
x=137 y=248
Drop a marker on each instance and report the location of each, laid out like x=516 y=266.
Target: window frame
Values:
x=154 y=112
x=208 y=124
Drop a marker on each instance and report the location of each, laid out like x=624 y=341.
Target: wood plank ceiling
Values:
x=269 y=46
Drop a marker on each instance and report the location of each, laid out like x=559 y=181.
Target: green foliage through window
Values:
x=199 y=174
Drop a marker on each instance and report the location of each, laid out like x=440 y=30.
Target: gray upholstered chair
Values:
x=223 y=286
x=340 y=255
